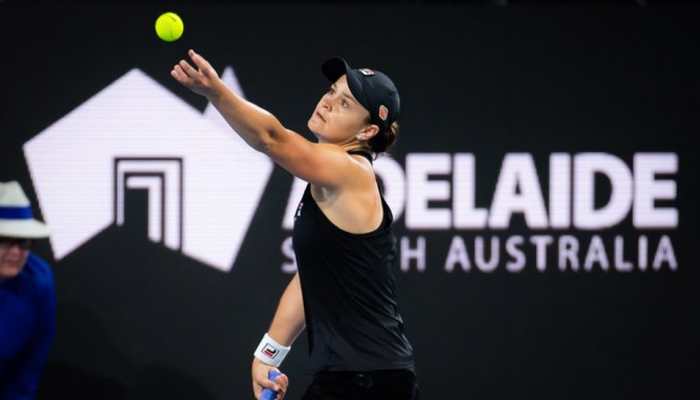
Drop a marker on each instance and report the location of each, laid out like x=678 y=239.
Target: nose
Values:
x=15 y=249
x=326 y=103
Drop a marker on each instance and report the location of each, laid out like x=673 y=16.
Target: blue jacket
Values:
x=27 y=328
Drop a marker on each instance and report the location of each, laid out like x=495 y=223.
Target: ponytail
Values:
x=381 y=142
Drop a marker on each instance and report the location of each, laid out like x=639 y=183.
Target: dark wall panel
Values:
x=572 y=130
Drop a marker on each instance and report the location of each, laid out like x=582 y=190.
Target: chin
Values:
x=313 y=128
x=9 y=271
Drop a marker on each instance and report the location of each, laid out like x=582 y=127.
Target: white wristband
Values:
x=270 y=352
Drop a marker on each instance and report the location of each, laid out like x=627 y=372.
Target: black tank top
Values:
x=347 y=280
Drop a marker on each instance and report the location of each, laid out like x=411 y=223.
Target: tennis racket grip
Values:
x=269 y=394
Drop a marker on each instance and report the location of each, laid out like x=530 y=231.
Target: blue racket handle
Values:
x=269 y=394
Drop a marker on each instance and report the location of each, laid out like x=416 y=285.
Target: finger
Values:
x=198 y=60
x=180 y=75
x=257 y=390
x=283 y=382
x=266 y=383
x=175 y=73
x=191 y=72
x=281 y=393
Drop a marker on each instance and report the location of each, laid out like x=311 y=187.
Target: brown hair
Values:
x=381 y=142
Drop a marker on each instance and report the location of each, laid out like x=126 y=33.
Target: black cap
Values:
x=373 y=89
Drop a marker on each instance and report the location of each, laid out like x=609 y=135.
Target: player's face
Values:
x=338 y=116
x=13 y=256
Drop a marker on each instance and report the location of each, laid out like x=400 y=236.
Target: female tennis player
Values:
x=344 y=293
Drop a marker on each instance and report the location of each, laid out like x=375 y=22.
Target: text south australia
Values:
x=599 y=212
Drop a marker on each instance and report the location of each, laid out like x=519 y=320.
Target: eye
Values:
x=345 y=103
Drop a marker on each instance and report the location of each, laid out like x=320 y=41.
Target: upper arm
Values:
x=318 y=163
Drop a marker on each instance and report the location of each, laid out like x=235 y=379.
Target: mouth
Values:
x=318 y=114
x=9 y=265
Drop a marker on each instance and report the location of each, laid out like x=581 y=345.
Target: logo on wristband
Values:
x=270 y=351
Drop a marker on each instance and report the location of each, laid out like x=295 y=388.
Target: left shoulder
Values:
x=363 y=172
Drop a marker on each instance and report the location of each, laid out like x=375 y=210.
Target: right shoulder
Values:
x=323 y=164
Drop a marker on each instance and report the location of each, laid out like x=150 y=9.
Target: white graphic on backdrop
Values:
x=162 y=179
x=203 y=182
x=646 y=191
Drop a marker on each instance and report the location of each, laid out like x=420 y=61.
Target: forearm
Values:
x=255 y=125
x=289 y=321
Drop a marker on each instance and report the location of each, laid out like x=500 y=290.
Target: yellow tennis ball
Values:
x=169 y=26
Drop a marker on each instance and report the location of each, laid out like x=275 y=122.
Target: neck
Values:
x=357 y=148
x=351 y=145
x=355 y=144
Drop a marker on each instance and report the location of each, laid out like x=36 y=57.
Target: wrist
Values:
x=271 y=352
x=216 y=91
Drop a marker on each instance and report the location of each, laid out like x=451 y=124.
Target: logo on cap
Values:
x=383 y=112
x=366 y=71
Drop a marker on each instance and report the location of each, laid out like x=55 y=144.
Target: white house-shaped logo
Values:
x=203 y=182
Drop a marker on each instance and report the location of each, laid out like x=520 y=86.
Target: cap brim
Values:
x=25 y=229
x=336 y=67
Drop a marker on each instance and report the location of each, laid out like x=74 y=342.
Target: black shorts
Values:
x=394 y=384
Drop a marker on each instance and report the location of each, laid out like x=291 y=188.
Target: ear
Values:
x=367 y=133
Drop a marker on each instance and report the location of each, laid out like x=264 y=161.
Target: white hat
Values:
x=16 y=219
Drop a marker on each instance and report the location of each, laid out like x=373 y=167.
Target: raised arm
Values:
x=322 y=164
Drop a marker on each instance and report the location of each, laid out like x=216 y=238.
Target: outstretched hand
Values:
x=201 y=80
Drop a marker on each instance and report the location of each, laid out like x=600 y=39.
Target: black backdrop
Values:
x=136 y=319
